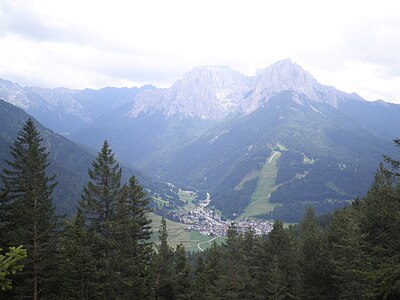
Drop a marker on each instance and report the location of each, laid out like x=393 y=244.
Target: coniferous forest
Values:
x=105 y=250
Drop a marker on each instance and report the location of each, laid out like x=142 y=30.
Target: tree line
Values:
x=105 y=251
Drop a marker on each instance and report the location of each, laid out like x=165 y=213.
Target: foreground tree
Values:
x=10 y=263
x=132 y=230
x=314 y=263
x=98 y=207
x=112 y=230
x=164 y=266
x=31 y=221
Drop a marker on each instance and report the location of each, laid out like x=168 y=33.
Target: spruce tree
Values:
x=380 y=227
x=348 y=255
x=78 y=267
x=314 y=264
x=201 y=286
x=132 y=231
x=233 y=283
x=98 y=205
x=281 y=257
x=164 y=267
x=213 y=267
x=182 y=282
x=30 y=217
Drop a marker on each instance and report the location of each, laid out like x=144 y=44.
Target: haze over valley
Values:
x=199 y=149
x=215 y=131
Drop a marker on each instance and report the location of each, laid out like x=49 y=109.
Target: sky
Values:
x=352 y=45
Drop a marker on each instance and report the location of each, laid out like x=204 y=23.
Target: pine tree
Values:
x=32 y=222
x=201 y=286
x=348 y=254
x=78 y=267
x=164 y=267
x=314 y=264
x=182 y=282
x=98 y=205
x=233 y=282
x=213 y=267
x=5 y=211
x=380 y=227
x=132 y=230
x=277 y=265
x=275 y=285
x=10 y=263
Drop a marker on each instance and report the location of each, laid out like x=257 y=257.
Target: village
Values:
x=209 y=222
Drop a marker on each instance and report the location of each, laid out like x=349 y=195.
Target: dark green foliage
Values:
x=78 y=267
x=344 y=156
x=201 y=284
x=234 y=282
x=105 y=252
x=182 y=280
x=314 y=262
x=132 y=232
x=164 y=266
x=277 y=265
x=213 y=267
x=30 y=218
x=111 y=232
x=347 y=254
x=69 y=161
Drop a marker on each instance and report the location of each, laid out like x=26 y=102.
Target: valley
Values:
x=201 y=224
x=211 y=132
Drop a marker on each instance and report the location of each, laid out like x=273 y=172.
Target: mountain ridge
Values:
x=218 y=92
x=214 y=129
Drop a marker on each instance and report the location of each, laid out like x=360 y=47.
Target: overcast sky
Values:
x=352 y=45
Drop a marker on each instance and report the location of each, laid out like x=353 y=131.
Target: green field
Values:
x=188 y=198
x=177 y=235
x=259 y=203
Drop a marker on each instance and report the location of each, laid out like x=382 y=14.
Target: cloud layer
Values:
x=353 y=45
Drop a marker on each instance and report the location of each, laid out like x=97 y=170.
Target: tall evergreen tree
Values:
x=201 y=286
x=98 y=205
x=348 y=254
x=5 y=211
x=164 y=267
x=213 y=267
x=234 y=282
x=78 y=267
x=182 y=282
x=277 y=265
x=380 y=227
x=132 y=231
x=31 y=222
x=314 y=265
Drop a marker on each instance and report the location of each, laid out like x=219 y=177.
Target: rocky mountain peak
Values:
x=281 y=76
x=207 y=92
x=215 y=92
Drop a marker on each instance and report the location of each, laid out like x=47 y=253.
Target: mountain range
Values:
x=67 y=160
x=216 y=130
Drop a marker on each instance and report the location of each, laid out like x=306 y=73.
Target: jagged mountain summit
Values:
x=211 y=92
x=217 y=92
x=216 y=130
x=66 y=110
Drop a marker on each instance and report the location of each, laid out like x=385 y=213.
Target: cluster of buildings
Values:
x=209 y=222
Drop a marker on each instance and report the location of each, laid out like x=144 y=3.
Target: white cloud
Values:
x=349 y=44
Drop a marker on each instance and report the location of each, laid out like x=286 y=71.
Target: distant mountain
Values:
x=214 y=130
x=67 y=160
x=218 y=93
x=327 y=157
x=65 y=110
x=212 y=92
